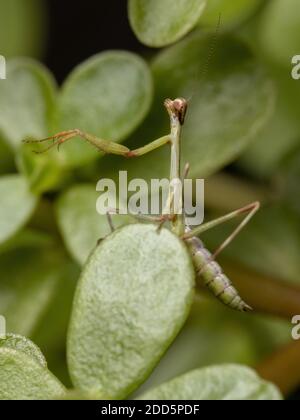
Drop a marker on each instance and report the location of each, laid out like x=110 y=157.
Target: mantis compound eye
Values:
x=181 y=105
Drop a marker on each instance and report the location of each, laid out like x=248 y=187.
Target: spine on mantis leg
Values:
x=214 y=278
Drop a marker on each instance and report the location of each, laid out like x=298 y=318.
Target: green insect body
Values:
x=213 y=277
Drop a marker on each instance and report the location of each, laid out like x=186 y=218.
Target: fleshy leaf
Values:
x=20 y=343
x=50 y=334
x=22 y=27
x=30 y=278
x=196 y=346
x=217 y=130
x=26 y=101
x=231 y=12
x=77 y=207
x=22 y=378
x=27 y=104
x=279 y=138
x=17 y=205
x=158 y=23
x=133 y=297
x=217 y=383
x=279 y=31
x=108 y=96
x=44 y=172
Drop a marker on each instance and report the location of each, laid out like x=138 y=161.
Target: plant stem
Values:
x=283 y=368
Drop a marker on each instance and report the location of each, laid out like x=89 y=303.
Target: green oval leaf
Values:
x=17 y=205
x=75 y=395
x=30 y=279
x=227 y=382
x=279 y=138
x=44 y=172
x=157 y=23
x=279 y=31
x=77 y=207
x=217 y=130
x=50 y=334
x=196 y=346
x=22 y=378
x=22 y=27
x=108 y=96
x=26 y=101
x=132 y=299
x=20 y=343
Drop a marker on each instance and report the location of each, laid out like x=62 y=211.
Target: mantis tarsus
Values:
x=206 y=267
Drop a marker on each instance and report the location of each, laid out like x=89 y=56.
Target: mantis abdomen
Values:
x=214 y=278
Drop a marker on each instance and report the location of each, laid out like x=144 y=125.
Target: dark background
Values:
x=78 y=30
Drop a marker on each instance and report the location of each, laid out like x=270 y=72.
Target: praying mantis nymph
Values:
x=207 y=269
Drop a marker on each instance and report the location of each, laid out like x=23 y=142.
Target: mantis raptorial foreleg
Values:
x=150 y=146
x=104 y=146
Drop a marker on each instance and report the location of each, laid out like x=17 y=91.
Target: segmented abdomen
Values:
x=214 y=278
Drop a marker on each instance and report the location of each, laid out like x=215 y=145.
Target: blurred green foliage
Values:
x=244 y=111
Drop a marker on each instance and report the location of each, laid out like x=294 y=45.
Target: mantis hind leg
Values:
x=250 y=210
